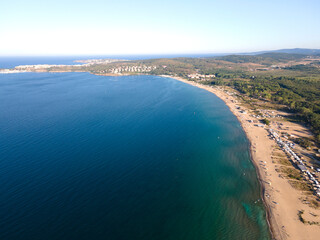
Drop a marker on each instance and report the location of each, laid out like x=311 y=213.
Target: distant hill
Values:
x=303 y=51
x=264 y=58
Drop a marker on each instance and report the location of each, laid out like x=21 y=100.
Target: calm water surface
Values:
x=136 y=157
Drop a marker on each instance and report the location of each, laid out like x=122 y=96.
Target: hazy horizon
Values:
x=65 y=28
x=156 y=54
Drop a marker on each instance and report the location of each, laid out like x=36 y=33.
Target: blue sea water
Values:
x=133 y=157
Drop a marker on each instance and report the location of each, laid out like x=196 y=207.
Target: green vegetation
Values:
x=303 y=142
x=264 y=59
x=300 y=185
x=291 y=173
x=266 y=121
x=301 y=95
x=284 y=161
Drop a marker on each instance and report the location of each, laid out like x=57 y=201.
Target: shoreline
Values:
x=262 y=184
x=262 y=189
x=282 y=202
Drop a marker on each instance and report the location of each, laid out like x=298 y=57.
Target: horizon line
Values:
x=153 y=54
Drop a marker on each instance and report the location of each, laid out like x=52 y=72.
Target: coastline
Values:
x=262 y=184
x=282 y=202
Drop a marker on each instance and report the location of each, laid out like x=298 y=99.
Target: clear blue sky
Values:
x=62 y=27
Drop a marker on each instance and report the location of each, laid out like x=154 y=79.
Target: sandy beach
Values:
x=282 y=201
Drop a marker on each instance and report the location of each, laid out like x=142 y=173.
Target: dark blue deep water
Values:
x=135 y=157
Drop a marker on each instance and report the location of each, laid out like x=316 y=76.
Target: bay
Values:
x=133 y=157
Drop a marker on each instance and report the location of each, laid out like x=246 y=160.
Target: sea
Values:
x=131 y=157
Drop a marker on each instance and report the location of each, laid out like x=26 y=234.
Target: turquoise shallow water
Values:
x=136 y=157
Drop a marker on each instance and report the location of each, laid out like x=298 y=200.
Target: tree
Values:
x=266 y=121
